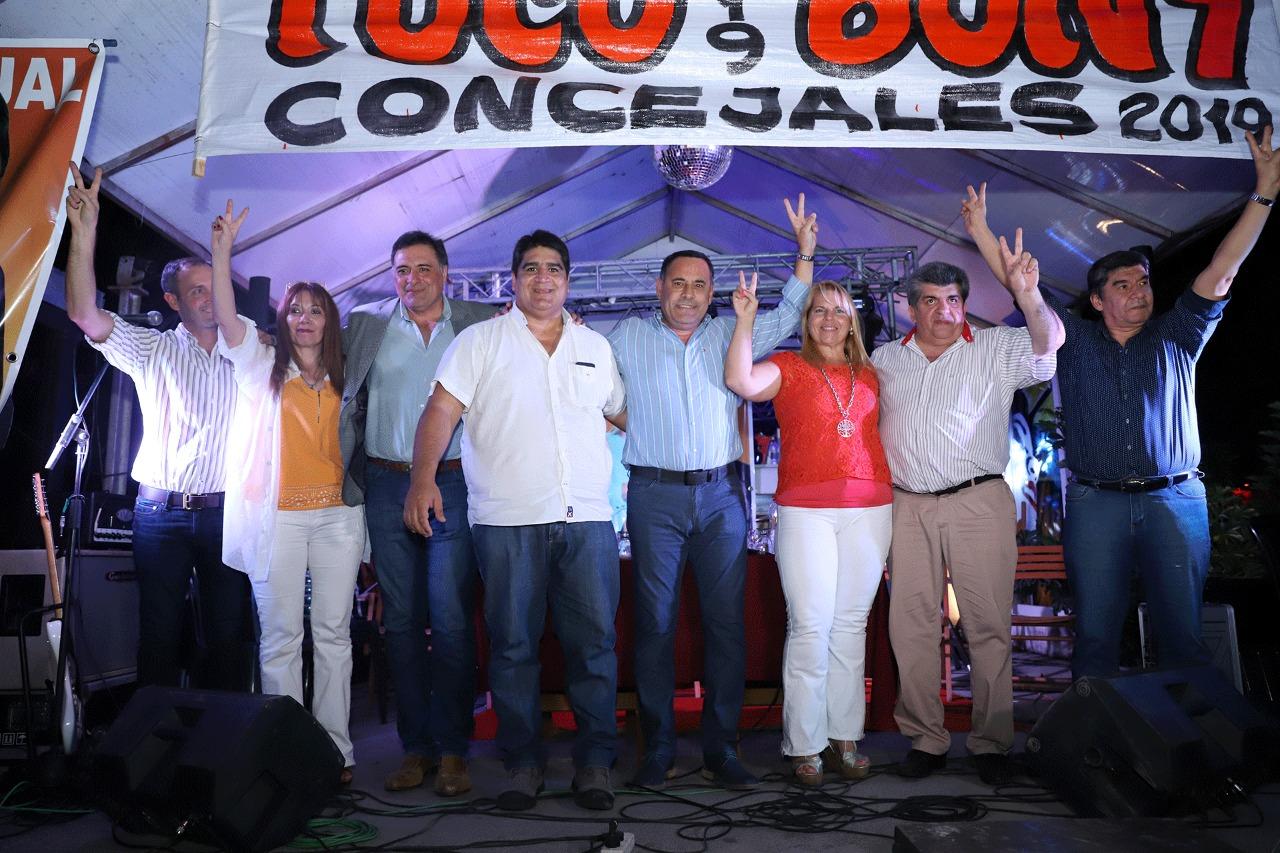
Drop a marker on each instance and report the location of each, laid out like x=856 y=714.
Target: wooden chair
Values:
x=1041 y=563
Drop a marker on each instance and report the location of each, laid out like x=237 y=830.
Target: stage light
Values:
x=692 y=167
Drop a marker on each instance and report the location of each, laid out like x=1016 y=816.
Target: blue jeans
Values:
x=426 y=581
x=706 y=525
x=575 y=567
x=167 y=545
x=1164 y=535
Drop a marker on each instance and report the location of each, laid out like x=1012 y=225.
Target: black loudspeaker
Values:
x=1153 y=743
x=239 y=771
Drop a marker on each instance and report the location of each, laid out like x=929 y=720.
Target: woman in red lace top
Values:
x=834 y=520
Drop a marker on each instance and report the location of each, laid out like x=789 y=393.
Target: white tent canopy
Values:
x=332 y=217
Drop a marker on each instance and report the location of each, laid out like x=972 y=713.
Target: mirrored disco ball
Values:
x=692 y=167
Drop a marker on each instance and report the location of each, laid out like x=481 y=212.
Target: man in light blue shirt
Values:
x=684 y=500
x=393 y=348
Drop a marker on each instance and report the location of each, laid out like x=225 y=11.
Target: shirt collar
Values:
x=656 y=319
x=965 y=332
x=446 y=313
x=518 y=317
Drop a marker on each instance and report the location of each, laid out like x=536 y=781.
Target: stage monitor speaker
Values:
x=236 y=770
x=106 y=626
x=1153 y=743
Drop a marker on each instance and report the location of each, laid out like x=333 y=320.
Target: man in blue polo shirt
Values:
x=1128 y=396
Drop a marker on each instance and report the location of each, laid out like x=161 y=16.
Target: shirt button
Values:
x=1128 y=447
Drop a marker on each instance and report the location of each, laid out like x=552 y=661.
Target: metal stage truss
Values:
x=620 y=287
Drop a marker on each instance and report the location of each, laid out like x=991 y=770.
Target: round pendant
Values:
x=845 y=427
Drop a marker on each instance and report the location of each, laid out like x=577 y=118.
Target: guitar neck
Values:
x=50 y=553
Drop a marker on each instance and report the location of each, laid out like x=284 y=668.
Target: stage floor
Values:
x=688 y=815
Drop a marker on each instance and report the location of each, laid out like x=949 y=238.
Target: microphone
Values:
x=151 y=318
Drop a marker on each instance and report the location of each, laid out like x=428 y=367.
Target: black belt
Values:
x=405 y=467
x=1140 y=484
x=180 y=500
x=958 y=486
x=684 y=478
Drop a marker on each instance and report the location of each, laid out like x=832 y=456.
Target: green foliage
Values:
x=1235 y=551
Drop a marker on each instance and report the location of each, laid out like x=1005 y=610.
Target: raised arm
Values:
x=1022 y=279
x=225 y=229
x=974 y=211
x=805 y=227
x=82 y=287
x=1216 y=280
x=773 y=327
x=756 y=382
x=435 y=428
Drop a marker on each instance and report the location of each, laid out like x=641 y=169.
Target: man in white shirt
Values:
x=533 y=390
x=187 y=394
x=945 y=392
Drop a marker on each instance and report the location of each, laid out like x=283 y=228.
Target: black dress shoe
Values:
x=995 y=769
x=919 y=764
x=729 y=773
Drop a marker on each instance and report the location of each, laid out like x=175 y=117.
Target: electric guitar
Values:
x=68 y=714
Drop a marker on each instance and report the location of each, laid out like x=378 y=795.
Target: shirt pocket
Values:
x=590 y=386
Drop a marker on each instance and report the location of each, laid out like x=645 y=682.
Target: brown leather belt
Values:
x=179 y=500
x=405 y=467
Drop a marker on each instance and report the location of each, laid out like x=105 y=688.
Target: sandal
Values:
x=807 y=770
x=850 y=763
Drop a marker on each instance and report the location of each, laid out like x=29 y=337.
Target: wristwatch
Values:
x=1261 y=199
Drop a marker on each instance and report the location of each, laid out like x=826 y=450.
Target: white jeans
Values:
x=830 y=562
x=329 y=542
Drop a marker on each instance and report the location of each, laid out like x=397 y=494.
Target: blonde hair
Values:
x=854 y=350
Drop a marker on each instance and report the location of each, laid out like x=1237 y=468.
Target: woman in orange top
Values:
x=834 y=520
x=284 y=517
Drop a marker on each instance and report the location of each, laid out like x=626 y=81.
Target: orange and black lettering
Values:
x=853 y=38
x=387 y=30
x=1219 y=42
x=972 y=48
x=295 y=33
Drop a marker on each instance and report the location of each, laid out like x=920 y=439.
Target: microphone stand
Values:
x=74 y=431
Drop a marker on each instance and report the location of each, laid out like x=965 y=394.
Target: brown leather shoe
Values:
x=453 y=778
x=413 y=769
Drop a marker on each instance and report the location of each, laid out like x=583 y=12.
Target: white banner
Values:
x=1184 y=77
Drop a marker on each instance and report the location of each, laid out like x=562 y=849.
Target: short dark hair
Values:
x=1108 y=264
x=539 y=238
x=937 y=273
x=175 y=268
x=685 y=253
x=420 y=238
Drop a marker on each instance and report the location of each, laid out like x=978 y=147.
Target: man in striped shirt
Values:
x=684 y=500
x=945 y=392
x=187 y=395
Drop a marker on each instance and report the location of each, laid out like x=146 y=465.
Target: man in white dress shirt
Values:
x=533 y=390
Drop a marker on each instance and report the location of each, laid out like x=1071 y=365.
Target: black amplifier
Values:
x=108 y=521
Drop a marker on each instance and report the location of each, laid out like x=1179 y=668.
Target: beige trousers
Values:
x=973 y=532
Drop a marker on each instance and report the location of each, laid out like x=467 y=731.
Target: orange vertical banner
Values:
x=47 y=92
